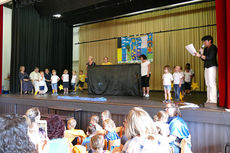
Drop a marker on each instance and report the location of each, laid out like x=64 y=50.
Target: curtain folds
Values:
x=223 y=37
x=1 y=43
x=168 y=47
x=38 y=41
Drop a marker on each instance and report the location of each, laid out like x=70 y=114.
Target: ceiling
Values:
x=87 y=11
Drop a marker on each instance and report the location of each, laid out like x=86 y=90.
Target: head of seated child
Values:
x=97 y=143
x=94 y=120
x=71 y=124
x=105 y=115
x=161 y=116
x=109 y=125
x=91 y=130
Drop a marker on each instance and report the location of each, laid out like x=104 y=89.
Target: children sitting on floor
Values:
x=91 y=131
x=94 y=120
x=81 y=81
x=97 y=143
x=109 y=126
x=74 y=135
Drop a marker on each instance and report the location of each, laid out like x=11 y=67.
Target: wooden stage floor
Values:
x=154 y=101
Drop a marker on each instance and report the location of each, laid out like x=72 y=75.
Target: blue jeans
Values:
x=54 y=86
x=177 y=92
x=73 y=86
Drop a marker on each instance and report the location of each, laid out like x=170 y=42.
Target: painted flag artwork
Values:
x=129 y=49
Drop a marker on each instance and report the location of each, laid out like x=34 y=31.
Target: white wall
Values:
x=75 y=49
x=6 y=50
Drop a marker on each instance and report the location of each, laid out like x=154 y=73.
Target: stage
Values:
x=209 y=126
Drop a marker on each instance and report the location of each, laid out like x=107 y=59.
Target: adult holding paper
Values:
x=210 y=64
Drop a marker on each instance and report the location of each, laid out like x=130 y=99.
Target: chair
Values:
x=102 y=132
x=70 y=135
x=185 y=143
x=79 y=149
x=119 y=131
x=112 y=143
x=21 y=88
x=226 y=147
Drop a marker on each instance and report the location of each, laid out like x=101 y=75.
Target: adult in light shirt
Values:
x=145 y=75
x=34 y=77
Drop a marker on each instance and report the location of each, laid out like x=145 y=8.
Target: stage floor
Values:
x=154 y=101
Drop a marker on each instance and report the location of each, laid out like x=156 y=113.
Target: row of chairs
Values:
x=108 y=144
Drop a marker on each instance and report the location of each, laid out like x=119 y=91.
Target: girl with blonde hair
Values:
x=142 y=132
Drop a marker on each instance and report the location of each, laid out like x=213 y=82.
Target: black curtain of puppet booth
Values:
x=117 y=80
x=38 y=41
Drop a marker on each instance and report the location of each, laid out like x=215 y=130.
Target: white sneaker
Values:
x=144 y=95
x=147 y=95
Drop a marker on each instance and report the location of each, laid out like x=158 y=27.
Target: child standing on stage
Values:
x=189 y=74
x=182 y=89
x=73 y=81
x=42 y=84
x=54 y=81
x=81 y=80
x=65 y=79
x=167 y=80
x=177 y=79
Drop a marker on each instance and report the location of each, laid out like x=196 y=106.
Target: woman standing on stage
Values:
x=24 y=78
x=145 y=75
x=90 y=64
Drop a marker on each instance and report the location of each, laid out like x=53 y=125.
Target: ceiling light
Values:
x=57 y=15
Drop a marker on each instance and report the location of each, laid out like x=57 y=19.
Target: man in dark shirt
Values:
x=208 y=55
x=48 y=80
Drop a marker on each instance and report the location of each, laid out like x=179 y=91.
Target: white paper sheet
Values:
x=191 y=49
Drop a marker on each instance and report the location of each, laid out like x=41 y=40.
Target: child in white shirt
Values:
x=42 y=84
x=167 y=79
x=54 y=81
x=189 y=74
x=177 y=80
x=65 y=79
x=73 y=81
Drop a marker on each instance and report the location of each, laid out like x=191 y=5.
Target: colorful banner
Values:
x=129 y=49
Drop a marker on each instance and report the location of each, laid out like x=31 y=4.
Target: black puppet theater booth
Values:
x=118 y=80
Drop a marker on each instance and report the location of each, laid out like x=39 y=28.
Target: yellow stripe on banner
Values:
x=119 y=55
